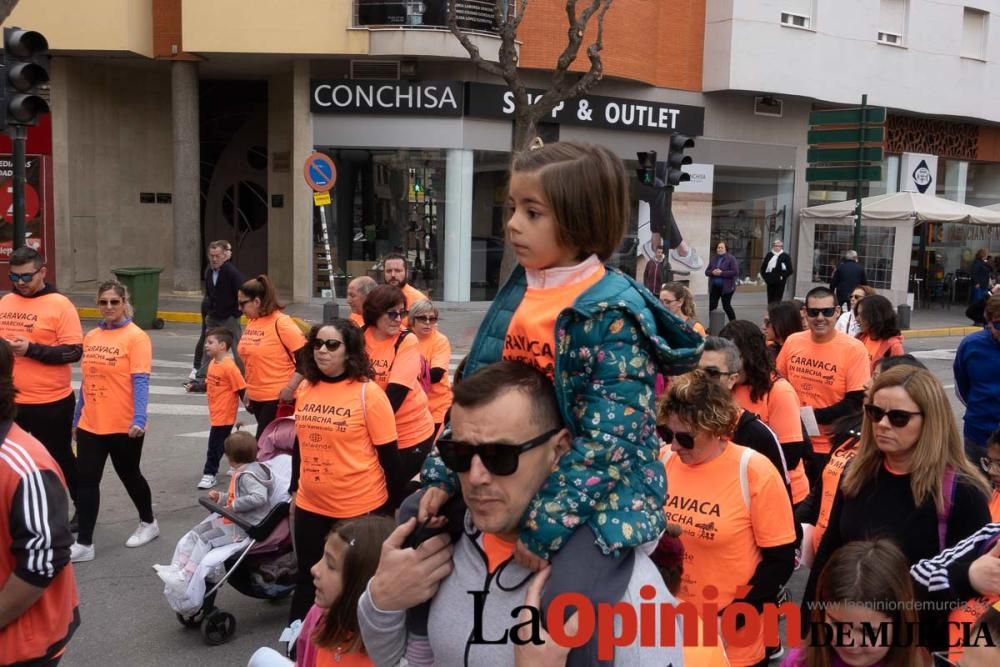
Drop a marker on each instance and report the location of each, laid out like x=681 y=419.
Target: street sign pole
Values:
x=20 y=138
x=857 y=201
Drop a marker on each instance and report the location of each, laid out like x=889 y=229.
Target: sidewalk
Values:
x=460 y=321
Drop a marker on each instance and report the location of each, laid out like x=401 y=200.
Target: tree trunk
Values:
x=6 y=7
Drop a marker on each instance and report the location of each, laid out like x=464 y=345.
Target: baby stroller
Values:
x=262 y=566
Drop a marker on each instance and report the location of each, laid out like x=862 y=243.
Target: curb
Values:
x=940 y=332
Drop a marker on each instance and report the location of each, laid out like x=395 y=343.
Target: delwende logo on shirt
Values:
x=740 y=625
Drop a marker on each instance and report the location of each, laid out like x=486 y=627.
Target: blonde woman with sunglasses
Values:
x=436 y=349
x=910 y=481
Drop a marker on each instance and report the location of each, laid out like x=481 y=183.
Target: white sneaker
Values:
x=207 y=482
x=144 y=534
x=81 y=553
x=690 y=260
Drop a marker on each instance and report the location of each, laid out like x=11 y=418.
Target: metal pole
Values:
x=20 y=138
x=861 y=152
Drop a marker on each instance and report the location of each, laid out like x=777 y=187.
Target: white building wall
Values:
x=838 y=58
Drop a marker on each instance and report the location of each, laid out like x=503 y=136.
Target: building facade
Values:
x=176 y=122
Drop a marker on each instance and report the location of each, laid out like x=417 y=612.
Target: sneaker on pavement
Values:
x=144 y=534
x=81 y=553
x=207 y=482
x=690 y=260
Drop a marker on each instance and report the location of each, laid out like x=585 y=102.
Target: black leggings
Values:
x=216 y=448
x=52 y=425
x=411 y=459
x=92 y=453
x=713 y=301
x=265 y=412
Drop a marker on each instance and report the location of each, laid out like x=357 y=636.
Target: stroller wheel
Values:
x=218 y=627
x=191 y=621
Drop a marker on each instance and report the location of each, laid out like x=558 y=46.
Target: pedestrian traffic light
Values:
x=647 y=167
x=676 y=159
x=25 y=70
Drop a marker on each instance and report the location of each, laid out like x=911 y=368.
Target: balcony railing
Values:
x=472 y=15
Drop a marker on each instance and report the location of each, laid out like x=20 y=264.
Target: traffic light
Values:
x=676 y=159
x=647 y=167
x=25 y=70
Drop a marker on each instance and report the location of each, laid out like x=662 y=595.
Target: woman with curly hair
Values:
x=344 y=461
x=879 y=332
x=730 y=502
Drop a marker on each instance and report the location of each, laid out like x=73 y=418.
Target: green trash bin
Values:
x=143 y=284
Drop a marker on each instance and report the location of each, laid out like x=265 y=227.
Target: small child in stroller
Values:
x=250 y=488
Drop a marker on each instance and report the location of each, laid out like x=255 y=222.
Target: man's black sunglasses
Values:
x=667 y=435
x=898 y=418
x=826 y=312
x=499 y=458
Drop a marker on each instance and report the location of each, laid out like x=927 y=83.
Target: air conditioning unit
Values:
x=891 y=38
x=765 y=105
x=793 y=20
x=375 y=69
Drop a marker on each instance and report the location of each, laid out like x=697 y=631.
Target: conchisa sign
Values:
x=481 y=100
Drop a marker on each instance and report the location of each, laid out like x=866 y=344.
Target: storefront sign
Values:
x=35 y=212
x=410 y=98
x=918 y=173
x=489 y=101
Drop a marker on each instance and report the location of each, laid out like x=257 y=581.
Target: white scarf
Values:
x=773 y=264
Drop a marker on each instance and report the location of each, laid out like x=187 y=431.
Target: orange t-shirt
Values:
x=357 y=319
x=961 y=619
x=995 y=506
x=531 y=336
x=437 y=351
x=110 y=358
x=722 y=537
x=823 y=373
x=49 y=319
x=879 y=349
x=223 y=384
x=779 y=409
x=413 y=419
x=268 y=348
x=497 y=550
x=698 y=328
x=330 y=658
x=412 y=295
x=832 y=472
x=339 y=425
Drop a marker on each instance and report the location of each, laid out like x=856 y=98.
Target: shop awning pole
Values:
x=861 y=152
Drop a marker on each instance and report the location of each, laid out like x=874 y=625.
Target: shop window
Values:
x=875 y=252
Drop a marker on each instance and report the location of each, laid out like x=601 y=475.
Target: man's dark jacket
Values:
x=849 y=274
x=222 y=295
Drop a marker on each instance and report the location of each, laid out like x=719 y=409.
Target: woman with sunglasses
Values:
x=680 y=302
x=110 y=417
x=730 y=502
x=879 y=331
x=848 y=320
x=436 y=349
x=344 y=462
x=268 y=348
x=910 y=481
x=398 y=365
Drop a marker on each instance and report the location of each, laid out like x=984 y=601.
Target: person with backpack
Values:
x=401 y=372
x=736 y=518
x=909 y=481
x=268 y=348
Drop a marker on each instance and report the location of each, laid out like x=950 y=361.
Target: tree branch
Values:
x=474 y=54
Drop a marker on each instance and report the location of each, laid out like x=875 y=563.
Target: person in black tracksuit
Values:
x=222 y=282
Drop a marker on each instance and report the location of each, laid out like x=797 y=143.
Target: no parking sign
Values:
x=320 y=173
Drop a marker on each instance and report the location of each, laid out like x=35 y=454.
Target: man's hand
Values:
x=525 y=558
x=408 y=577
x=136 y=431
x=548 y=653
x=984 y=573
x=18 y=345
x=430 y=504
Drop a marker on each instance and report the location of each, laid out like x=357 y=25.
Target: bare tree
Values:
x=565 y=85
x=6 y=7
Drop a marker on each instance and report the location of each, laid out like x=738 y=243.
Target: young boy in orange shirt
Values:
x=224 y=386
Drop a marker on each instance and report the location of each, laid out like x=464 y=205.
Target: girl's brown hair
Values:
x=240 y=447
x=262 y=288
x=875 y=575
x=364 y=537
x=586 y=188
x=701 y=403
x=939 y=446
x=683 y=294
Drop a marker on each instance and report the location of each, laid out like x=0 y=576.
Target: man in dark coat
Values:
x=775 y=269
x=848 y=275
x=657 y=272
x=222 y=281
